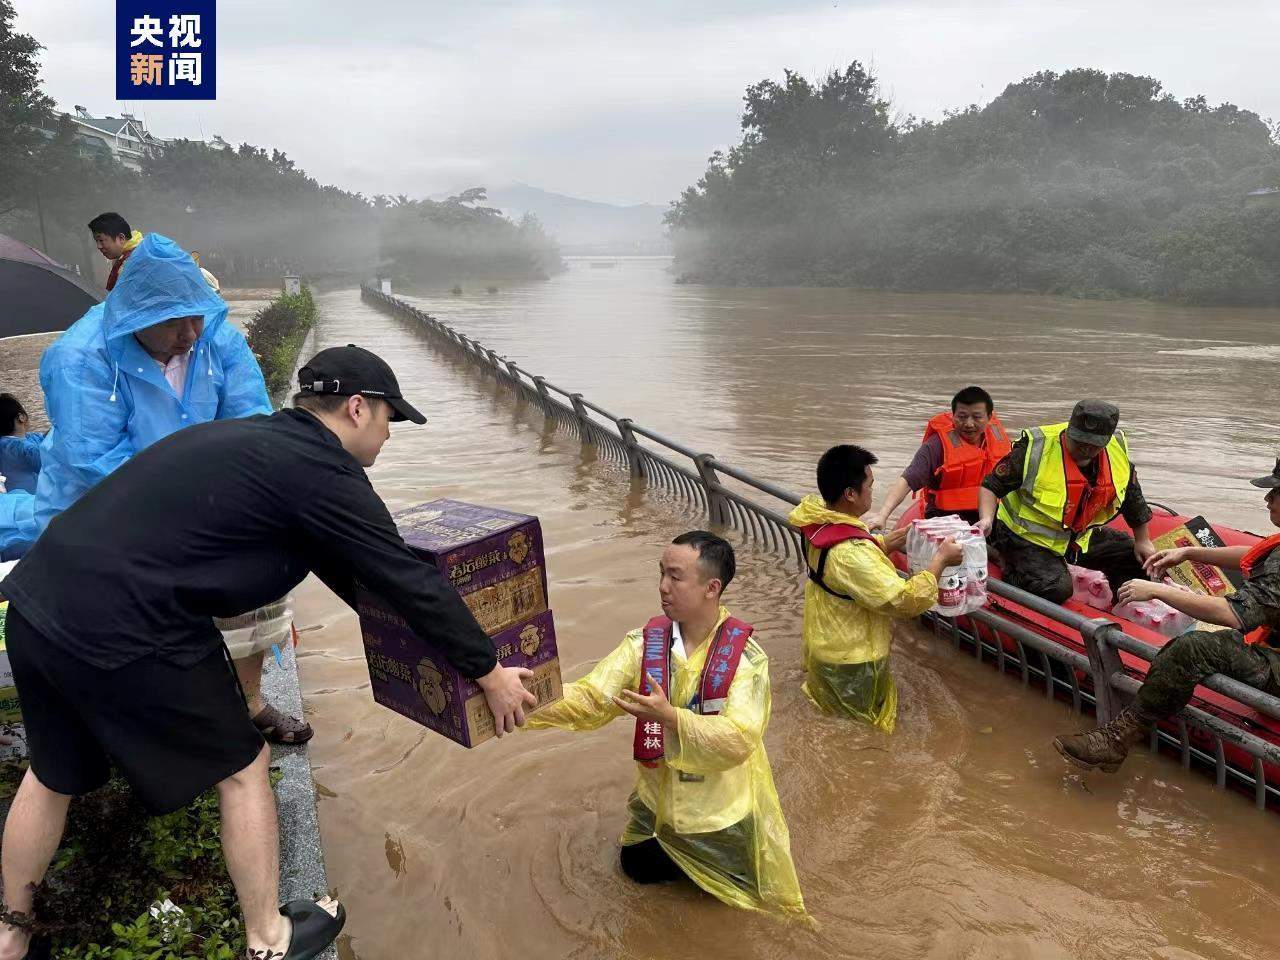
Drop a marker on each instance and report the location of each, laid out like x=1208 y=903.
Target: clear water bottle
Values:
x=953 y=592
x=975 y=565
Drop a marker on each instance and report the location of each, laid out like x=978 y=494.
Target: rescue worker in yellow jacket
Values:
x=1049 y=501
x=697 y=684
x=854 y=592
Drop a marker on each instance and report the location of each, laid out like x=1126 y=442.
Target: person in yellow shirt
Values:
x=704 y=805
x=115 y=240
x=854 y=591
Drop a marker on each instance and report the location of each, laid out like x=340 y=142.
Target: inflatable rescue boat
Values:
x=1045 y=642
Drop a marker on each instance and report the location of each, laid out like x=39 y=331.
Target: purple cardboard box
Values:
x=494 y=558
x=414 y=679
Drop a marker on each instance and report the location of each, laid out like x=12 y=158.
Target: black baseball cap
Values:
x=1093 y=422
x=1272 y=480
x=349 y=371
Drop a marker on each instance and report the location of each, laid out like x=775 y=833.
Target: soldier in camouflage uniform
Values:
x=1248 y=651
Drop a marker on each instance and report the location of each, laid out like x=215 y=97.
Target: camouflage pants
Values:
x=1033 y=568
x=1186 y=660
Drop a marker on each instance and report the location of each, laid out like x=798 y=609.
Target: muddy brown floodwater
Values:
x=962 y=835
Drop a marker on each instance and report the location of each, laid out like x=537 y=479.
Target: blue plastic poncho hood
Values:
x=160 y=281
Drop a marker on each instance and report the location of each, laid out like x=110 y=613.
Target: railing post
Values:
x=580 y=412
x=514 y=373
x=544 y=398
x=630 y=444
x=1104 y=661
x=717 y=506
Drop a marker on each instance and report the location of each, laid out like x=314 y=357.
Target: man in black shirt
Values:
x=117 y=660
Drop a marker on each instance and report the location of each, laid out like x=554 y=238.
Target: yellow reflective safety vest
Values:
x=1055 y=505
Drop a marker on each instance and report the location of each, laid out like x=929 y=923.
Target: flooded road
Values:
x=963 y=835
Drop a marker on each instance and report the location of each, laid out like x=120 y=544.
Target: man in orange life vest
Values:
x=697 y=683
x=1049 y=501
x=1248 y=650
x=959 y=449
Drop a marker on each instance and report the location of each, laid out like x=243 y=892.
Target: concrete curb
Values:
x=302 y=873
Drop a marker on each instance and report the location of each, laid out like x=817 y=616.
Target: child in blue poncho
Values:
x=19 y=447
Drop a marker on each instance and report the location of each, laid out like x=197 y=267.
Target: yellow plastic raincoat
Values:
x=846 y=642
x=710 y=802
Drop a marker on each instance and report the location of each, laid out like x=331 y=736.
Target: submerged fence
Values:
x=1095 y=675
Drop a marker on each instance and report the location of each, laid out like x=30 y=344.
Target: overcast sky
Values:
x=620 y=102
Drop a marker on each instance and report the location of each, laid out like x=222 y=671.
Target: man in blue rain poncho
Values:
x=156 y=356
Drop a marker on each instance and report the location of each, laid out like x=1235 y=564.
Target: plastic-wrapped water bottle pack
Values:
x=1091 y=589
x=961 y=588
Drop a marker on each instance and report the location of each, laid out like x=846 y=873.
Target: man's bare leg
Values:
x=249 y=670
x=251 y=845
x=32 y=833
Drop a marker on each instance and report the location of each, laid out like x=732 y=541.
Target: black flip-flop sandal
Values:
x=313 y=928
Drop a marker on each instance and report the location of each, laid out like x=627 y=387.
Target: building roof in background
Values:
x=107 y=124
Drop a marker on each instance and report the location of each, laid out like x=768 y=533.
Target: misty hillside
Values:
x=1079 y=183
x=586 y=226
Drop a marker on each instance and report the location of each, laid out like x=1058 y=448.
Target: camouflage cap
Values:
x=1271 y=480
x=1093 y=422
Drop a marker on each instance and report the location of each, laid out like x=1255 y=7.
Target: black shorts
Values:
x=172 y=732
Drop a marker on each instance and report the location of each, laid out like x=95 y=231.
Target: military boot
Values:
x=1105 y=748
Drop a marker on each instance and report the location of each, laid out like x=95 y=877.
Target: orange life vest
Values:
x=1085 y=500
x=1252 y=561
x=964 y=465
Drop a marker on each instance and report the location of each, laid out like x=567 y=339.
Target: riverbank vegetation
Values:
x=1081 y=183
x=129 y=886
x=276 y=334
x=250 y=211
x=437 y=241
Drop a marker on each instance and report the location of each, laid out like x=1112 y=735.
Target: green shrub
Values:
x=276 y=334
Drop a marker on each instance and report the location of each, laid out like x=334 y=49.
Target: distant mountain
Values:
x=585 y=226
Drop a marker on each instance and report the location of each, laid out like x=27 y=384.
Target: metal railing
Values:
x=1096 y=677
x=686 y=474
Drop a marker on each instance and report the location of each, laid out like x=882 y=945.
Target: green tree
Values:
x=1081 y=182
x=250 y=211
x=23 y=108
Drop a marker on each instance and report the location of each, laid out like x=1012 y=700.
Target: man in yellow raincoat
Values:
x=854 y=592
x=704 y=805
